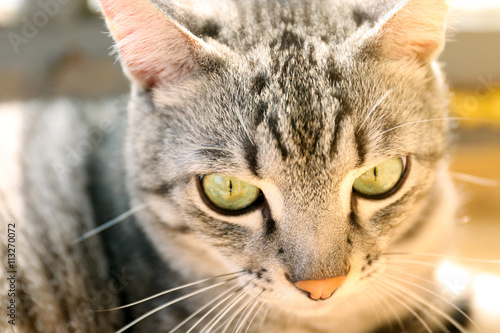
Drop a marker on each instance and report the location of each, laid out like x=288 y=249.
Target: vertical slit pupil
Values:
x=375 y=173
x=230 y=187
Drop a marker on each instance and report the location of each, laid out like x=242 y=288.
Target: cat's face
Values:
x=299 y=120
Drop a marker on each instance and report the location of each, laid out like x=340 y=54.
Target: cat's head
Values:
x=296 y=140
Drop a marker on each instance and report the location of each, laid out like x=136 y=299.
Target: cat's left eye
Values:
x=229 y=194
x=381 y=180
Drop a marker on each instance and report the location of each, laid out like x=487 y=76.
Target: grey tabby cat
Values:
x=281 y=152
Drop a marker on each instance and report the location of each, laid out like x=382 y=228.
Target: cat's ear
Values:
x=413 y=29
x=153 y=48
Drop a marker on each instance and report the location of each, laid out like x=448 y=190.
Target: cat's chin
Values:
x=307 y=308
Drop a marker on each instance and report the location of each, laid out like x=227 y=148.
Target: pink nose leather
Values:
x=320 y=289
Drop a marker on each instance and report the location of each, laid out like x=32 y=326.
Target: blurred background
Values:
x=51 y=48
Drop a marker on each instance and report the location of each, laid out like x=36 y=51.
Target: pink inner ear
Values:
x=152 y=47
x=416 y=30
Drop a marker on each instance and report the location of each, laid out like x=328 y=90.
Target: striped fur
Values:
x=297 y=97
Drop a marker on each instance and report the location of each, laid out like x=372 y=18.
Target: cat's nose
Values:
x=320 y=289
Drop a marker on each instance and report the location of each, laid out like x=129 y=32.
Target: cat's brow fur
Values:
x=295 y=97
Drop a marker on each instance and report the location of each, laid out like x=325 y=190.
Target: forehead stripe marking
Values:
x=251 y=155
x=273 y=127
x=361 y=140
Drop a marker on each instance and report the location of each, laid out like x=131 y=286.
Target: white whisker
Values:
x=194 y=314
x=443 y=256
x=416 y=315
x=163 y=306
x=475 y=179
x=421 y=304
x=211 y=324
x=229 y=321
x=248 y=306
x=434 y=294
x=254 y=316
x=420 y=269
x=208 y=148
x=240 y=119
x=371 y=294
x=430 y=120
x=402 y=271
x=213 y=308
x=239 y=326
x=418 y=262
x=174 y=289
x=390 y=308
x=377 y=104
x=109 y=224
x=263 y=319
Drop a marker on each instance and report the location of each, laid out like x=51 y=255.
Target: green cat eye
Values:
x=229 y=193
x=380 y=180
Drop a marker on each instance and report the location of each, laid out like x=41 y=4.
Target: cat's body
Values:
x=297 y=98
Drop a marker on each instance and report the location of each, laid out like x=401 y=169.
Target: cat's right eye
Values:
x=381 y=180
x=229 y=194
